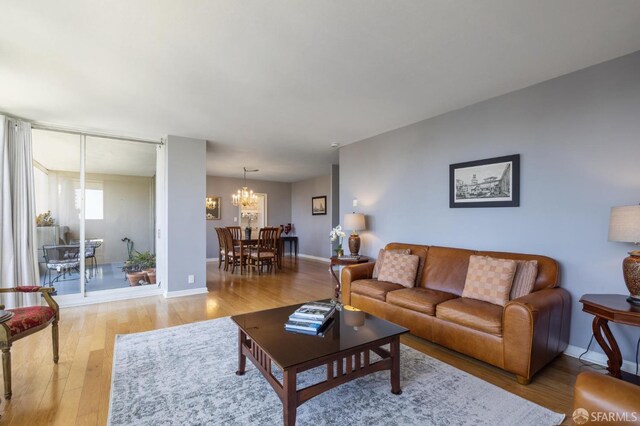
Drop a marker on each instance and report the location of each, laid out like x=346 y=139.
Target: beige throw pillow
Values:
x=524 y=279
x=399 y=268
x=380 y=259
x=489 y=279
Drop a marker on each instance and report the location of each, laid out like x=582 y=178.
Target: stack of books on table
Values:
x=311 y=318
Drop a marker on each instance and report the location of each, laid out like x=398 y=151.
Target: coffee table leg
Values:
x=395 y=366
x=242 y=359
x=289 y=400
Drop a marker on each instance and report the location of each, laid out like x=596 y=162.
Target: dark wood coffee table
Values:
x=345 y=349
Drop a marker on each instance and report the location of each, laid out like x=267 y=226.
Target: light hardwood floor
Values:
x=76 y=391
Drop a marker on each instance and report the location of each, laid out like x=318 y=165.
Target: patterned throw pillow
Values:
x=489 y=279
x=524 y=279
x=399 y=268
x=380 y=259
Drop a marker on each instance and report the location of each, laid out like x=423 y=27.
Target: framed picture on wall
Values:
x=493 y=182
x=212 y=205
x=319 y=205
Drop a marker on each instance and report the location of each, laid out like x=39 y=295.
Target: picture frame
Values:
x=213 y=207
x=319 y=205
x=492 y=182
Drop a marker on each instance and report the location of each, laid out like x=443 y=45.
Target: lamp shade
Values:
x=624 y=224
x=354 y=221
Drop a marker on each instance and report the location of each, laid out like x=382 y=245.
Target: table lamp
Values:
x=354 y=222
x=624 y=226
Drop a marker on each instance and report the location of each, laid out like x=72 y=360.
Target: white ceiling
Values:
x=271 y=84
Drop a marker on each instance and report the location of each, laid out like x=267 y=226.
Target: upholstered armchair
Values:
x=26 y=321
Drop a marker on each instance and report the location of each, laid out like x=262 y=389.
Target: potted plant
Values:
x=45 y=219
x=140 y=268
x=337 y=234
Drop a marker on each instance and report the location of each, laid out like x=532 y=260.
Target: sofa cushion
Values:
x=419 y=299
x=489 y=279
x=476 y=314
x=380 y=259
x=524 y=279
x=418 y=250
x=374 y=288
x=399 y=268
x=446 y=269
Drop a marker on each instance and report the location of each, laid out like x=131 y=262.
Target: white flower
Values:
x=337 y=233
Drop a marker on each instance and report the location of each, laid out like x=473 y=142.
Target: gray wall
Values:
x=278 y=205
x=335 y=195
x=579 y=140
x=186 y=239
x=313 y=231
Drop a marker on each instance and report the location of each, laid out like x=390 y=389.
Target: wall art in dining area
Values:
x=492 y=182
x=213 y=208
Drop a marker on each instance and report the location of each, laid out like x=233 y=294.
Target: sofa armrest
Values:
x=535 y=330
x=597 y=392
x=352 y=273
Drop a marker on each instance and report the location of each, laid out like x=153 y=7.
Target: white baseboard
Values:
x=182 y=293
x=318 y=258
x=212 y=259
x=597 y=358
x=103 y=296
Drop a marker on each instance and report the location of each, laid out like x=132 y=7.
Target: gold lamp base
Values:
x=631 y=272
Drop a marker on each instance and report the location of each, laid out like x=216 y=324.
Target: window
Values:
x=93 y=204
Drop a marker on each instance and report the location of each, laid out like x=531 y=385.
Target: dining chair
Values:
x=23 y=322
x=232 y=253
x=265 y=252
x=236 y=232
x=279 y=245
x=222 y=257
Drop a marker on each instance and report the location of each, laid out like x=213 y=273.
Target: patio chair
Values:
x=61 y=259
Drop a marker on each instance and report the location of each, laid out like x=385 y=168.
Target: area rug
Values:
x=185 y=375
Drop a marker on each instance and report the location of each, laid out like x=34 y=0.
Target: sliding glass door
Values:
x=101 y=193
x=56 y=170
x=119 y=213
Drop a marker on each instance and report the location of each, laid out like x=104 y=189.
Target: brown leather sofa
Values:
x=521 y=337
x=607 y=400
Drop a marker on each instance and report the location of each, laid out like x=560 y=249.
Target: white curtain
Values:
x=18 y=252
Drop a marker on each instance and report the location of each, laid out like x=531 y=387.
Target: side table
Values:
x=345 y=261
x=605 y=308
x=293 y=241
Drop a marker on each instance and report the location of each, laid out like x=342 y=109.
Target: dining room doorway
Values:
x=254 y=217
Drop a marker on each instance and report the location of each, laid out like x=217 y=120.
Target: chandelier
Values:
x=245 y=197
